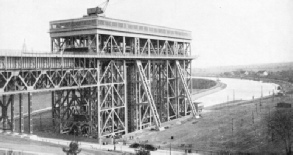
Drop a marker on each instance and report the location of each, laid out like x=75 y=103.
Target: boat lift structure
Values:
x=106 y=75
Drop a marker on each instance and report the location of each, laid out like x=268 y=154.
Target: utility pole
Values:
x=256 y=108
x=170 y=143
x=41 y=121
x=252 y=117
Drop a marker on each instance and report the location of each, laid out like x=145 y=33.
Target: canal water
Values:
x=238 y=89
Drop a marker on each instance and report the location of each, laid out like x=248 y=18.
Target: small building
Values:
x=263 y=73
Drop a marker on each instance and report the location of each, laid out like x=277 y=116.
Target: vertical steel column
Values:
x=189 y=49
x=166 y=47
x=184 y=99
x=137 y=100
x=158 y=47
x=124 y=47
x=184 y=50
x=175 y=48
x=111 y=46
x=53 y=108
x=112 y=95
x=177 y=84
x=125 y=93
x=98 y=43
x=30 y=109
x=98 y=104
x=60 y=121
x=90 y=110
x=190 y=76
x=4 y=114
x=12 y=114
x=59 y=43
x=136 y=45
x=51 y=46
x=160 y=89
x=21 y=120
x=89 y=42
x=149 y=79
x=167 y=90
x=191 y=83
x=149 y=46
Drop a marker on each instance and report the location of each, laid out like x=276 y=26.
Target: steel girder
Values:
x=117 y=98
x=101 y=108
x=5 y=122
x=140 y=105
x=110 y=44
x=167 y=91
x=81 y=73
x=96 y=90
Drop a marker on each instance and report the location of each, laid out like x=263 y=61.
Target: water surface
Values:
x=238 y=89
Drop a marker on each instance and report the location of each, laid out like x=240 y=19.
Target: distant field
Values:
x=273 y=67
x=198 y=83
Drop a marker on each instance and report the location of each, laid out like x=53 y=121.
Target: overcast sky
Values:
x=225 y=32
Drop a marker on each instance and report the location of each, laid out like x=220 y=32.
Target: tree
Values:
x=73 y=148
x=280 y=127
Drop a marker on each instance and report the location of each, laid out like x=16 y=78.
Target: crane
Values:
x=99 y=10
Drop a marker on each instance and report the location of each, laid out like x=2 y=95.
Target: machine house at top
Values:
x=100 y=35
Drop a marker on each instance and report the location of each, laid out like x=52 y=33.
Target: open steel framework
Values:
x=106 y=76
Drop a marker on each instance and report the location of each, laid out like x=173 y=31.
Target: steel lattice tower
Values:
x=108 y=76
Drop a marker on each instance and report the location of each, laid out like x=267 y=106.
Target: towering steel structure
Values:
x=106 y=76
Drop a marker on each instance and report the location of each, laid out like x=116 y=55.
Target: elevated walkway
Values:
x=115 y=55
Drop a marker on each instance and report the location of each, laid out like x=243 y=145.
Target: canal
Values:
x=238 y=89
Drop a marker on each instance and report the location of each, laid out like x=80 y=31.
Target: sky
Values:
x=224 y=32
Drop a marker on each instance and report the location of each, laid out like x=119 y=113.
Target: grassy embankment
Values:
x=235 y=127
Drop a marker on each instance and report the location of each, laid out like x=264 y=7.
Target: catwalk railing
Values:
x=19 y=53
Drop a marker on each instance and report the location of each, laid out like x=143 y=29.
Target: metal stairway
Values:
x=193 y=109
x=147 y=89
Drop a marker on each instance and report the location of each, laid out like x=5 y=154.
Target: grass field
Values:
x=234 y=127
